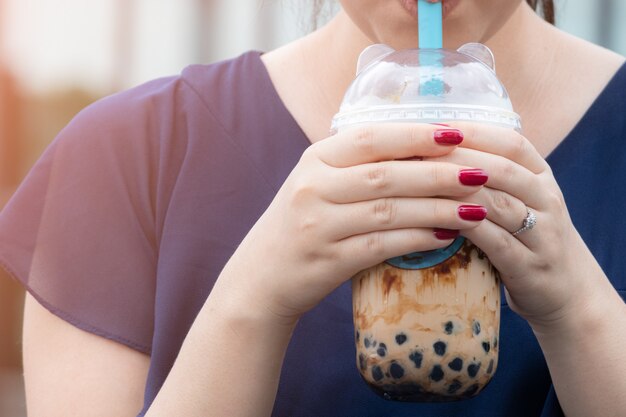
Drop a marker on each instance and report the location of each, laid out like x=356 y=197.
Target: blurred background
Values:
x=57 y=56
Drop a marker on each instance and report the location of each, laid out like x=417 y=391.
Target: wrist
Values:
x=586 y=314
x=244 y=308
x=590 y=297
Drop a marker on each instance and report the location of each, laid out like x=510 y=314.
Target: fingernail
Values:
x=473 y=177
x=445 y=234
x=472 y=213
x=448 y=136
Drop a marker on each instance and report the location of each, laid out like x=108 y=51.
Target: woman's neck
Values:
x=525 y=50
x=312 y=74
x=329 y=57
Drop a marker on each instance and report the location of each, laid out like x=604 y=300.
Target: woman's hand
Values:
x=548 y=271
x=552 y=279
x=350 y=203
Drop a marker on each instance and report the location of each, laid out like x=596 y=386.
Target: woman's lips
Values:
x=411 y=6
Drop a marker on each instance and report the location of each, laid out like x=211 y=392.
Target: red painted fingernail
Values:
x=472 y=213
x=473 y=177
x=448 y=136
x=445 y=234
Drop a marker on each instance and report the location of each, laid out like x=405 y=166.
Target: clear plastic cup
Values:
x=427 y=324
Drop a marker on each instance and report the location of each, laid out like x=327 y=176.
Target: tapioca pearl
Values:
x=401 y=338
x=495 y=342
x=490 y=367
x=396 y=370
x=374 y=343
x=416 y=357
x=471 y=390
x=448 y=327
x=476 y=327
x=472 y=369
x=367 y=342
x=456 y=364
x=382 y=350
x=357 y=336
x=362 y=362
x=436 y=374
x=440 y=348
x=454 y=386
x=486 y=347
x=377 y=373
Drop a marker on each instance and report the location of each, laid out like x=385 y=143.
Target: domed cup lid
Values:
x=426 y=86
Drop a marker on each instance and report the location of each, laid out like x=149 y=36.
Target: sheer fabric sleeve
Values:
x=81 y=231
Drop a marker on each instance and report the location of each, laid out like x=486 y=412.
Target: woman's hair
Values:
x=547 y=8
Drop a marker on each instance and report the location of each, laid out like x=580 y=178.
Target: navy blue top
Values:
x=126 y=221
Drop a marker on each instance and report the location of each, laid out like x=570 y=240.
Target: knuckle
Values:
x=503 y=243
x=363 y=140
x=308 y=223
x=311 y=153
x=377 y=177
x=546 y=170
x=556 y=201
x=543 y=263
x=415 y=137
x=508 y=170
x=435 y=175
x=501 y=203
x=440 y=212
x=414 y=235
x=374 y=244
x=385 y=210
x=303 y=191
x=519 y=145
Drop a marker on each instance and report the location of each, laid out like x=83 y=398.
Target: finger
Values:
x=382 y=245
x=504 y=174
x=503 y=209
x=405 y=213
x=504 y=142
x=385 y=142
x=507 y=253
x=402 y=179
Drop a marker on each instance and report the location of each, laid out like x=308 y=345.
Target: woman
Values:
x=192 y=237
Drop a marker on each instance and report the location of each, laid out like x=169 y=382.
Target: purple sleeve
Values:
x=81 y=232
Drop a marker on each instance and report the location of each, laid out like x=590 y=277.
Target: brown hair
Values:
x=547 y=8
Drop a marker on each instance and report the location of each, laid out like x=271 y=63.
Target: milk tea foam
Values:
x=426 y=324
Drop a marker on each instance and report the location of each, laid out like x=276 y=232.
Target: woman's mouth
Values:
x=411 y=6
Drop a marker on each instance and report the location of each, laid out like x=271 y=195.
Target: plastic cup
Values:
x=427 y=324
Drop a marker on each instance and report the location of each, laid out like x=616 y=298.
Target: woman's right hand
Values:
x=351 y=202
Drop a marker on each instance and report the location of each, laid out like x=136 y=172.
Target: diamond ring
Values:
x=529 y=222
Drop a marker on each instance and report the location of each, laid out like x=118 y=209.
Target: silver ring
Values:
x=529 y=222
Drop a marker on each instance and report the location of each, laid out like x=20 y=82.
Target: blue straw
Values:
x=430 y=16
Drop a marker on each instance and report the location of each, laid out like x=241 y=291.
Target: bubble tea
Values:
x=426 y=324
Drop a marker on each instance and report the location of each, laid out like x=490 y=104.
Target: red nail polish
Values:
x=473 y=177
x=448 y=136
x=445 y=234
x=472 y=213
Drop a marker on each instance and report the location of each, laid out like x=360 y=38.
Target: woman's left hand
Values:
x=547 y=271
